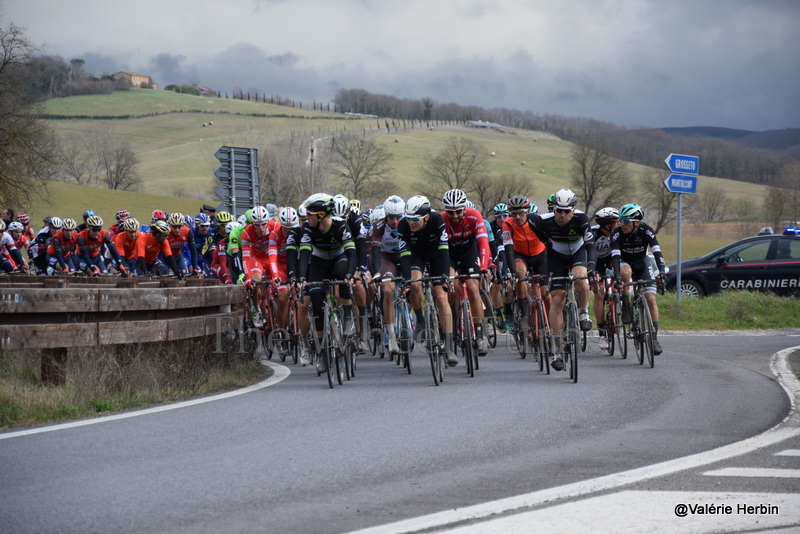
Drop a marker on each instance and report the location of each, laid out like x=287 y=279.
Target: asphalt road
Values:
x=299 y=457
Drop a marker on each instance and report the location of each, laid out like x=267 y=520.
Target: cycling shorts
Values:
x=561 y=265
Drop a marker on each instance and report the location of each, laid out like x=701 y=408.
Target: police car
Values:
x=769 y=262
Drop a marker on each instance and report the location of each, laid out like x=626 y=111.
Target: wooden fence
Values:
x=55 y=313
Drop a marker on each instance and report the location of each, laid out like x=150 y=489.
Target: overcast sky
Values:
x=657 y=63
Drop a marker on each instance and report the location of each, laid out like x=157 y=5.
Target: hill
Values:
x=786 y=140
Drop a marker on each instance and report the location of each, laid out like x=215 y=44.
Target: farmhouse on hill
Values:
x=135 y=80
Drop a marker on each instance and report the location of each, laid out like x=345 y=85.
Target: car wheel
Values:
x=690 y=288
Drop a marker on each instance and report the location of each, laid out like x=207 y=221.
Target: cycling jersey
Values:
x=148 y=247
x=89 y=248
x=521 y=239
x=602 y=245
x=428 y=244
x=359 y=233
x=277 y=254
x=328 y=245
x=468 y=235
x=10 y=256
x=176 y=243
x=632 y=247
x=293 y=249
x=60 y=247
x=383 y=241
x=126 y=247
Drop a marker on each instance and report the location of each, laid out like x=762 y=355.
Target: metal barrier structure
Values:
x=54 y=313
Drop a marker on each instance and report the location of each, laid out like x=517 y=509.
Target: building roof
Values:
x=485 y=124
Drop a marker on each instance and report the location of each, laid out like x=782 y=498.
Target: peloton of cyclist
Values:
x=469 y=252
x=629 y=243
x=570 y=248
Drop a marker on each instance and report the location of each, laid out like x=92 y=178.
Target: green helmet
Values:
x=247 y=215
x=500 y=208
x=631 y=211
x=551 y=202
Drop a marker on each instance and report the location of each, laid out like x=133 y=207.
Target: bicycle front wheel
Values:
x=622 y=330
x=329 y=347
x=571 y=334
x=647 y=331
x=467 y=340
x=489 y=322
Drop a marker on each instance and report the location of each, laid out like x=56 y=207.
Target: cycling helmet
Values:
x=606 y=216
x=260 y=215
x=551 y=201
x=2 y=225
x=565 y=199
x=518 y=202
x=122 y=215
x=242 y=220
x=533 y=209
x=15 y=226
x=376 y=215
x=341 y=206
x=130 y=225
x=231 y=226
x=56 y=223
x=356 y=204
x=248 y=216
x=301 y=210
x=94 y=220
x=272 y=209
x=201 y=219
x=69 y=224
x=631 y=211
x=288 y=217
x=188 y=221
x=355 y=211
x=176 y=219
x=223 y=217
x=23 y=218
x=394 y=205
x=500 y=208
x=159 y=227
x=159 y=215
x=87 y=214
x=418 y=205
x=471 y=204
x=455 y=198
x=319 y=202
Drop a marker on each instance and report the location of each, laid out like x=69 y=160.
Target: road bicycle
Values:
x=641 y=328
x=429 y=334
x=338 y=347
x=571 y=329
x=489 y=318
x=403 y=326
x=294 y=341
x=616 y=331
x=375 y=340
x=464 y=330
x=268 y=315
x=538 y=335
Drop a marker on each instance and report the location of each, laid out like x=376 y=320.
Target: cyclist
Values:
x=126 y=242
x=41 y=242
x=254 y=262
x=551 y=202
x=276 y=251
x=28 y=231
x=234 y=247
x=84 y=225
x=180 y=235
x=10 y=256
x=116 y=228
x=220 y=265
x=525 y=252
x=570 y=248
x=502 y=272
x=423 y=241
x=469 y=252
x=153 y=251
x=327 y=251
x=629 y=243
x=384 y=242
x=292 y=257
x=91 y=242
x=607 y=219
x=61 y=251
x=21 y=241
x=203 y=242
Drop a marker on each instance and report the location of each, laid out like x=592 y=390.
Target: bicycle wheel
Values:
x=584 y=340
x=489 y=323
x=611 y=329
x=467 y=340
x=636 y=333
x=518 y=333
x=349 y=357
x=429 y=338
x=571 y=331
x=329 y=346
x=540 y=343
x=647 y=331
x=622 y=330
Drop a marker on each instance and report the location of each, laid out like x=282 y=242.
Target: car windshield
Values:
x=756 y=251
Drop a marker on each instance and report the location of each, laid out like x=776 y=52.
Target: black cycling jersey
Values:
x=359 y=233
x=429 y=244
x=293 y=250
x=566 y=240
x=602 y=244
x=632 y=248
x=328 y=245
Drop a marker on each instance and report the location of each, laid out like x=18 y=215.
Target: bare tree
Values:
x=711 y=203
x=782 y=202
x=458 y=163
x=599 y=178
x=76 y=159
x=491 y=190
x=26 y=142
x=361 y=162
x=118 y=164
x=292 y=171
x=658 y=199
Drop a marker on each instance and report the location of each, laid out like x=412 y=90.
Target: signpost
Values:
x=240 y=188
x=682 y=181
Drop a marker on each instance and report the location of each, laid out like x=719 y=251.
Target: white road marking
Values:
x=653 y=512
x=755 y=472
x=279 y=373
x=789 y=452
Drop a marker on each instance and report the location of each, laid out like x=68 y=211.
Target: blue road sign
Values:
x=683 y=164
x=681 y=183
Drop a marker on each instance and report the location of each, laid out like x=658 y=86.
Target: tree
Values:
x=658 y=199
x=26 y=142
x=458 y=163
x=77 y=69
x=361 y=161
x=599 y=178
x=782 y=202
x=291 y=172
x=492 y=190
x=118 y=163
x=711 y=203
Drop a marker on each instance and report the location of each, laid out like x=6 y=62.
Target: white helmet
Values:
x=394 y=205
x=301 y=210
x=565 y=199
x=341 y=206
x=242 y=219
x=55 y=222
x=231 y=226
x=418 y=205
x=272 y=209
x=15 y=226
x=288 y=217
x=376 y=215
x=259 y=215
x=455 y=198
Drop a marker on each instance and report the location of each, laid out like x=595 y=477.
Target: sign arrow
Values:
x=681 y=183
x=683 y=164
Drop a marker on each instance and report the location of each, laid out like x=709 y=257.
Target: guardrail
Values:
x=55 y=313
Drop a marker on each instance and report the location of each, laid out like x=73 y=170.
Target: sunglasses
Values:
x=176 y=226
x=319 y=214
x=96 y=228
x=560 y=210
x=414 y=218
x=517 y=213
x=394 y=216
x=501 y=216
x=259 y=225
x=626 y=221
x=455 y=212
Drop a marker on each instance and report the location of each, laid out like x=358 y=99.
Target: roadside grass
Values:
x=105 y=380
x=729 y=310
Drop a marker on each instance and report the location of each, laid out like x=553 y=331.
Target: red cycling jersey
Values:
x=470 y=230
x=125 y=245
x=67 y=245
x=148 y=247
